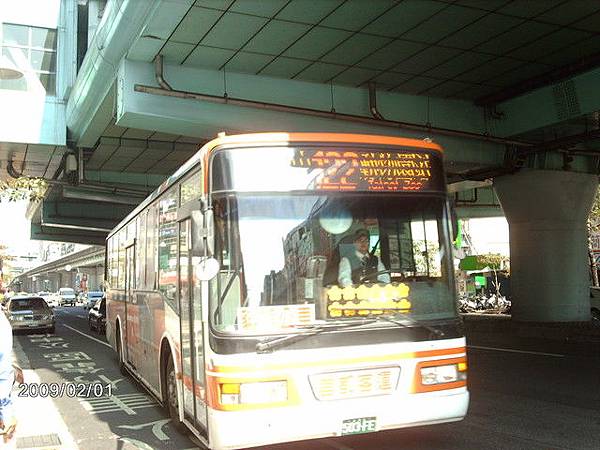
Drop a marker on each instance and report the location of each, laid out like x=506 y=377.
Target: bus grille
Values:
x=354 y=383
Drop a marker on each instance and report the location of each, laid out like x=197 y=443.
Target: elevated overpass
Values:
x=507 y=87
x=67 y=271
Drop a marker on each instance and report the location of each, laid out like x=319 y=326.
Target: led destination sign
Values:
x=404 y=170
x=327 y=169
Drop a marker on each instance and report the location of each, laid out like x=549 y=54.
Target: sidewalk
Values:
x=39 y=424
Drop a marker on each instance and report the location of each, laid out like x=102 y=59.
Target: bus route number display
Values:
x=407 y=170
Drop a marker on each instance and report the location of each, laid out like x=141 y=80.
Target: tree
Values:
x=593 y=227
x=23 y=188
x=3 y=258
x=496 y=262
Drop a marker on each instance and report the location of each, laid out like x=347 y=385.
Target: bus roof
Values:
x=274 y=138
x=348 y=138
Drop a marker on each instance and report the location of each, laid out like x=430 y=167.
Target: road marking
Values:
x=86 y=335
x=137 y=444
x=124 y=402
x=477 y=347
x=156 y=428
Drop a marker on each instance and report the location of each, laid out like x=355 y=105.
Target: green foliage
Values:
x=494 y=261
x=4 y=267
x=23 y=188
x=594 y=217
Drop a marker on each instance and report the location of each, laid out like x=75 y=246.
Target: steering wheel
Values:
x=373 y=276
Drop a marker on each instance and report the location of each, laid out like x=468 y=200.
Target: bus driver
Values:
x=360 y=264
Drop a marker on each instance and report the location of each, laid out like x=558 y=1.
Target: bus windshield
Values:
x=293 y=261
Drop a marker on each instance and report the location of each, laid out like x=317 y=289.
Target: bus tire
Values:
x=171 y=401
x=122 y=368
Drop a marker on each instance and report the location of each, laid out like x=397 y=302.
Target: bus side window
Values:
x=227 y=286
x=167 y=248
x=151 y=248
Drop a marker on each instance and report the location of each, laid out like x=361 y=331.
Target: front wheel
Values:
x=171 y=401
x=122 y=367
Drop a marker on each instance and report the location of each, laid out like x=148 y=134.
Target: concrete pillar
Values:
x=547 y=213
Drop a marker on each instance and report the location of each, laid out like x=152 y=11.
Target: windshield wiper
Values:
x=268 y=346
x=408 y=322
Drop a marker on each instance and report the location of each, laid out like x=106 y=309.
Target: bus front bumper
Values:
x=241 y=429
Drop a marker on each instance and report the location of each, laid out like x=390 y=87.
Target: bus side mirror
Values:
x=203 y=233
x=207 y=268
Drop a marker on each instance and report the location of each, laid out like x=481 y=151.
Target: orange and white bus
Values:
x=238 y=297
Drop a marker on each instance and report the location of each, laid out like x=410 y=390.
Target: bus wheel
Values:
x=122 y=368
x=171 y=401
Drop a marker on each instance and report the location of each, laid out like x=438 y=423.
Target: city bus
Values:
x=225 y=296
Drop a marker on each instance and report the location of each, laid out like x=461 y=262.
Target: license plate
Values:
x=358 y=426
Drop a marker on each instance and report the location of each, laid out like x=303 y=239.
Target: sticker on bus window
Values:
x=275 y=317
x=364 y=300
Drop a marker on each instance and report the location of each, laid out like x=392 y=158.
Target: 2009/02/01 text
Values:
x=54 y=390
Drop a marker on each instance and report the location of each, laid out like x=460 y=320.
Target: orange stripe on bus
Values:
x=336 y=362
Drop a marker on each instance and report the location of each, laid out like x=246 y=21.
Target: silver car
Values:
x=67 y=297
x=30 y=313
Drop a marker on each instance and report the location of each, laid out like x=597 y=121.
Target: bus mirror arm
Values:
x=209 y=229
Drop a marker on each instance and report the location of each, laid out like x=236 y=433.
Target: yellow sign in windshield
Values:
x=366 y=300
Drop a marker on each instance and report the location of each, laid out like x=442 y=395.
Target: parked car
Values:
x=91 y=298
x=30 y=313
x=97 y=316
x=67 y=297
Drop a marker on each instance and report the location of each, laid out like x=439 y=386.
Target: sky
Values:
x=15 y=228
x=489 y=235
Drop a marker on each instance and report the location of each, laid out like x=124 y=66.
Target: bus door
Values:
x=132 y=344
x=190 y=315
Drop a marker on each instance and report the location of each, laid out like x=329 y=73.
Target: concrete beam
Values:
x=146 y=181
x=477 y=202
x=549 y=105
x=204 y=119
x=95 y=216
x=44 y=233
x=122 y=23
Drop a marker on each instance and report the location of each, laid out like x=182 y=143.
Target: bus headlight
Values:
x=254 y=393
x=439 y=375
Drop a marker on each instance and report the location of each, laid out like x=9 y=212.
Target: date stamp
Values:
x=55 y=390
